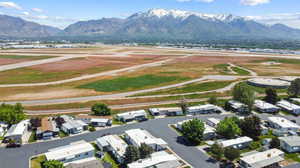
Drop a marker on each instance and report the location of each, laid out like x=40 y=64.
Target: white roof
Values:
x=156 y=158
x=203 y=107
x=214 y=120
x=231 y=142
x=69 y=151
x=262 y=159
x=116 y=143
x=283 y=123
x=18 y=129
x=264 y=105
x=236 y=104
x=100 y=120
x=133 y=113
x=287 y=105
x=142 y=136
x=291 y=140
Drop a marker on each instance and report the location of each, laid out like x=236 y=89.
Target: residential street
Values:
x=19 y=157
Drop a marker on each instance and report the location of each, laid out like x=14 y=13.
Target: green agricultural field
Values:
x=240 y=71
x=131 y=83
x=198 y=87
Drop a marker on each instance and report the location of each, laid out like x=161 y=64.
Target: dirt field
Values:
x=5 y=61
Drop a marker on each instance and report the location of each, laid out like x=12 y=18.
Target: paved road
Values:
x=32 y=63
x=121 y=95
x=18 y=158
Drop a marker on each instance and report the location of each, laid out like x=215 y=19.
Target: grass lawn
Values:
x=283 y=61
x=199 y=87
x=32 y=137
x=222 y=68
x=29 y=75
x=130 y=83
x=61 y=134
x=260 y=89
x=292 y=156
x=109 y=159
x=240 y=71
x=36 y=162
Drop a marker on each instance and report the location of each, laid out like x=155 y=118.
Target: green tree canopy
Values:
x=244 y=94
x=217 y=151
x=228 y=127
x=251 y=127
x=271 y=96
x=101 y=109
x=145 y=151
x=294 y=89
x=193 y=130
x=231 y=153
x=131 y=154
x=12 y=114
x=53 y=164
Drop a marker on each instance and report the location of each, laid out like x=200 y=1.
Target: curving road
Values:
x=19 y=157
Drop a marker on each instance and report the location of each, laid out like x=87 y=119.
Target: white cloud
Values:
x=289 y=19
x=38 y=10
x=206 y=1
x=10 y=5
x=254 y=2
x=26 y=13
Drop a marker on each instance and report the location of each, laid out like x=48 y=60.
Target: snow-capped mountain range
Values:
x=180 y=14
x=158 y=25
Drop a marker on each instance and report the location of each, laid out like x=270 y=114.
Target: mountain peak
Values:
x=181 y=14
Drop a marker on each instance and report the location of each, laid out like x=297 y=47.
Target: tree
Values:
x=101 y=109
x=228 y=128
x=59 y=121
x=217 y=151
x=255 y=145
x=244 y=94
x=294 y=89
x=53 y=164
x=213 y=100
x=184 y=106
x=12 y=114
x=145 y=151
x=275 y=143
x=231 y=153
x=131 y=154
x=193 y=130
x=35 y=122
x=271 y=96
x=251 y=127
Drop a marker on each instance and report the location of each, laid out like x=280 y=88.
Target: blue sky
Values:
x=61 y=13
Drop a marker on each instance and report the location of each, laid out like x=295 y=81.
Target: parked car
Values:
x=13 y=145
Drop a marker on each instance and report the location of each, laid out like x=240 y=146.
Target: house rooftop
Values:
x=17 y=129
x=283 y=122
x=236 y=104
x=231 y=142
x=155 y=159
x=264 y=105
x=115 y=142
x=287 y=105
x=203 y=107
x=133 y=113
x=291 y=140
x=140 y=136
x=214 y=120
x=47 y=124
x=263 y=159
x=69 y=151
